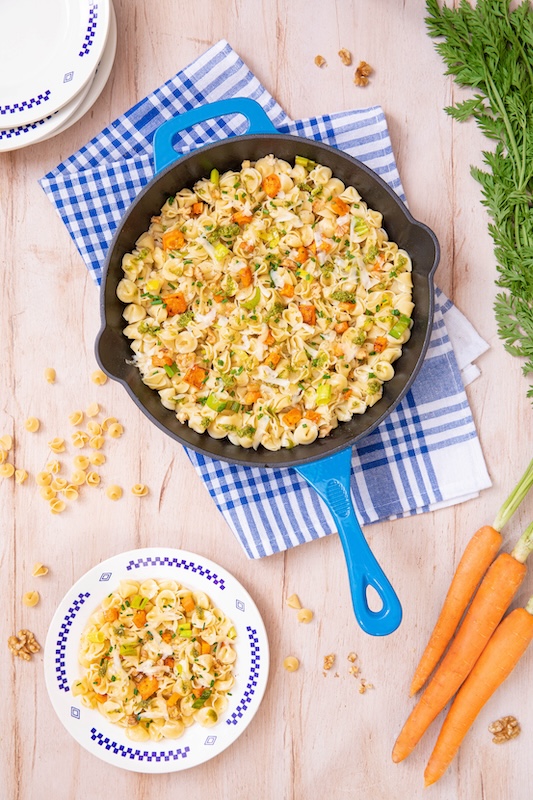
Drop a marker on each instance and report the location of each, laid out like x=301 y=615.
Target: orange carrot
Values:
x=501 y=655
x=175 y=303
x=292 y=417
x=271 y=185
x=188 y=603
x=241 y=218
x=490 y=603
x=339 y=206
x=173 y=240
x=476 y=559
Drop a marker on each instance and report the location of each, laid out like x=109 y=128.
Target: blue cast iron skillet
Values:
x=325 y=464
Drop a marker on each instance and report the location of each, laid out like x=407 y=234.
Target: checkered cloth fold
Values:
x=426 y=454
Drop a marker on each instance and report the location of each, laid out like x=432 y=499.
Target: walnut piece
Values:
x=362 y=72
x=320 y=61
x=328 y=661
x=23 y=644
x=504 y=729
x=345 y=56
x=364 y=686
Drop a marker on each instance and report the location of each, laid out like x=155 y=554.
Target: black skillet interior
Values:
x=113 y=348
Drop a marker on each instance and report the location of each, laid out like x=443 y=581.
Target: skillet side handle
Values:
x=330 y=477
x=164 y=152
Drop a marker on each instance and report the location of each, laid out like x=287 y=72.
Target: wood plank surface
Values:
x=313 y=736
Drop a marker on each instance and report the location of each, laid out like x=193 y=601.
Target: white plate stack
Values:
x=55 y=59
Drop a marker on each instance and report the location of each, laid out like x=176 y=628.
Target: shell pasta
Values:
x=268 y=304
x=157 y=657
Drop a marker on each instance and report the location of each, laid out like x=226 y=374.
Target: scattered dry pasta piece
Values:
x=20 y=475
x=139 y=490
x=92 y=410
x=99 y=377
x=97 y=459
x=30 y=599
x=94 y=428
x=96 y=442
x=3 y=455
x=294 y=601
x=43 y=479
x=305 y=615
x=32 y=424
x=54 y=467
x=291 y=663
x=320 y=61
x=79 y=476
x=75 y=417
x=79 y=438
x=7 y=470
x=114 y=492
x=50 y=375
x=115 y=430
x=57 y=506
x=92 y=479
x=24 y=644
x=47 y=493
x=6 y=442
x=39 y=570
x=345 y=56
x=70 y=492
x=81 y=462
x=57 y=445
x=107 y=422
x=58 y=484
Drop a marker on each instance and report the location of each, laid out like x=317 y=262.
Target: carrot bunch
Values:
x=462 y=664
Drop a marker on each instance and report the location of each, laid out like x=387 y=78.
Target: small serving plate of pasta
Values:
x=156 y=660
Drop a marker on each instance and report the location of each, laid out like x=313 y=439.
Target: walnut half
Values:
x=362 y=72
x=504 y=729
x=23 y=644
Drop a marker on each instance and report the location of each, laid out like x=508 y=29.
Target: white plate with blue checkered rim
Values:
x=49 y=53
x=198 y=744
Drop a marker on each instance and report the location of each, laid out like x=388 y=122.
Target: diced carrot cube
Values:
x=161 y=361
x=245 y=276
x=380 y=344
x=273 y=360
x=100 y=698
x=206 y=648
x=241 y=218
x=111 y=614
x=287 y=290
x=188 y=604
x=253 y=394
x=271 y=185
x=325 y=246
x=197 y=209
x=167 y=636
x=168 y=662
x=347 y=306
x=173 y=240
x=139 y=618
x=173 y=699
x=339 y=206
x=147 y=686
x=269 y=338
x=308 y=314
x=314 y=416
x=341 y=327
x=175 y=303
x=195 y=376
x=292 y=417
x=302 y=255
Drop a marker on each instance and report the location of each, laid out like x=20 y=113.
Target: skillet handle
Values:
x=330 y=477
x=164 y=137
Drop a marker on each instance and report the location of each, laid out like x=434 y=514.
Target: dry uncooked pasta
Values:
x=57 y=445
x=267 y=304
x=76 y=417
x=7 y=470
x=50 y=375
x=114 y=492
x=21 y=475
x=139 y=490
x=93 y=410
x=99 y=377
x=32 y=424
x=156 y=658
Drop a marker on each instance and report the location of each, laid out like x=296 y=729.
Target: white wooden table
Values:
x=313 y=736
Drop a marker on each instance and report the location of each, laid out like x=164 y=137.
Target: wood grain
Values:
x=313 y=736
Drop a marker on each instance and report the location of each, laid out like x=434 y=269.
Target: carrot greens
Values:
x=489 y=48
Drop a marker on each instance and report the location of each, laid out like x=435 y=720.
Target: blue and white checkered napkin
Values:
x=426 y=454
